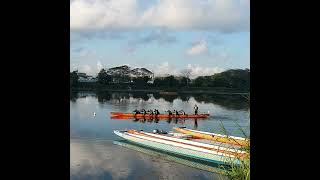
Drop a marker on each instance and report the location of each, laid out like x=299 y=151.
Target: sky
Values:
x=164 y=36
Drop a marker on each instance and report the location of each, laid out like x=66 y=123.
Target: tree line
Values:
x=232 y=79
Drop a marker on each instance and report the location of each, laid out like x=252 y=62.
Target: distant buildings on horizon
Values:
x=83 y=77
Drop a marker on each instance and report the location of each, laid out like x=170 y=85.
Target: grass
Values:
x=233 y=170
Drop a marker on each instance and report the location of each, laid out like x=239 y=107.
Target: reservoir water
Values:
x=97 y=153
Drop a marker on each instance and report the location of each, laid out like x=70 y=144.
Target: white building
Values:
x=85 y=78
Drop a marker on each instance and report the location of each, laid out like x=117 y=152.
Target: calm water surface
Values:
x=94 y=154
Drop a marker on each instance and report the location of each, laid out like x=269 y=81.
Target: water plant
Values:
x=237 y=168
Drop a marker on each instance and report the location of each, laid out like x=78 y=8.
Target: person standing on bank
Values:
x=196 y=109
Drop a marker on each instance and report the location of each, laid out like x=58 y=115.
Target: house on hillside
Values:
x=83 y=77
x=88 y=79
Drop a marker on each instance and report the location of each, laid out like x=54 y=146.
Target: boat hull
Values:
x=214 y=137
x=191 y=162
x=153 y=118
x=160 y=116
x=208 y=157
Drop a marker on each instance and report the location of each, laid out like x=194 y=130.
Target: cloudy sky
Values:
x=165 y=36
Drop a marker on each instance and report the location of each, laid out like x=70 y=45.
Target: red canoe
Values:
x=131 y=115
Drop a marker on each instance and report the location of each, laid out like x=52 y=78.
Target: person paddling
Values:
x=156 y=112
x=144 y=112
x=169 y=112
x=196 y=109
x=182 y=111
x=151 y=112
x=136 y=112
x=177 y=113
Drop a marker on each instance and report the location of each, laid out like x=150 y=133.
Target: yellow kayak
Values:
x=214 y=137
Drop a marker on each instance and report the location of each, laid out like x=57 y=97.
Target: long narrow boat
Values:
x=177 y=143
x=149 y=118
x=214 y=137
x=153 y=118
x=132 y=115
x=168 y=156
x=116 y=113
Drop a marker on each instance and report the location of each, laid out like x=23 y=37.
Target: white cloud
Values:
x=198 y=48
x=220 y=15
x=196 y=70
x=214 y=15
x=73 y=67
x=87 y=53
x=86 y=69
x=92 y=70
x=163 y=69
x=99 y=14
x=99 y=66
x=83 y=54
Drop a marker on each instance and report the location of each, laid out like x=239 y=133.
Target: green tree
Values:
x=103 y=77
x=233 y=78
x=170 y=81
x=141 y=81
x=74 y=79
x=184 y=81
x=158 y=82
x=186 y=73
x=202 y=81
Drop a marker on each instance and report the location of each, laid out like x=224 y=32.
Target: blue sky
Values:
x=165 y=36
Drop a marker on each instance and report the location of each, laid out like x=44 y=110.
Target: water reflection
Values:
x=169 y=98
x=103 y=96
x=195 y=163
x=73 y=96
x=195 y=123
x=84 y=105
x=97 y=160
x=179 y=121
x=236 y=102
x=139 y=95
x=100 y=159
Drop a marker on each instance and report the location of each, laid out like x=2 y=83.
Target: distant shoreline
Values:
x=165 y=92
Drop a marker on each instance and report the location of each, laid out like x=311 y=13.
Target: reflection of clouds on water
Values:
x=203 y=107
x=232 y=102
x=86 y=107
x=93 y=159
x=84 y=124
x=139 y=103
x=103 y=160
x=170 y=170
x=89 y=159
x=162 y=104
